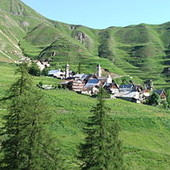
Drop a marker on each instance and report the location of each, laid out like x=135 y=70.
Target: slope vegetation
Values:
x=145 y=130
x=141 y=51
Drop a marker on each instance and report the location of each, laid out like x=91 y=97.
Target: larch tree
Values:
x=26 y=142
x=102 y=149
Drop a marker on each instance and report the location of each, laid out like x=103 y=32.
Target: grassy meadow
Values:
x=138 y=51
x=145 y=130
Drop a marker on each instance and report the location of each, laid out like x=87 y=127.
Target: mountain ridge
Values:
x=141 y=51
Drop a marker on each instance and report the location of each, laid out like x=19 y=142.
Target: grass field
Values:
x=145 y=130
x=141 y=51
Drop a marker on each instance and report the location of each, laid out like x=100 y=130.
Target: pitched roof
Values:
x=51 y=72
x=81 y=76
x=111 y=85
x=92 y=82
x=146 y=91
x=159 y=91
x=126 y=86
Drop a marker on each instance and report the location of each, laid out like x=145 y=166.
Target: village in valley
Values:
x=89 y=84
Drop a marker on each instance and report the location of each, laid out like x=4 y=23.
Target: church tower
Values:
x=109 y=79
x=67 y=68
x=99 y=71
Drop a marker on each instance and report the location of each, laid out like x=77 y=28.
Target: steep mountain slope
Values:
x=15 y=20
x=141 y=51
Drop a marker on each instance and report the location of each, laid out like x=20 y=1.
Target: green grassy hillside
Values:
x=145 y=130
x=141 y=51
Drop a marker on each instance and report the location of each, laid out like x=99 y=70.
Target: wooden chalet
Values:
x=161 y=93
x=77 y=86
x=92 y=90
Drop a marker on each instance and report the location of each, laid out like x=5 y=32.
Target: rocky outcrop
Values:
x=80 y=36
x=83 y=38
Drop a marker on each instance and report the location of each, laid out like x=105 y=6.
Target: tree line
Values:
x=26 y=144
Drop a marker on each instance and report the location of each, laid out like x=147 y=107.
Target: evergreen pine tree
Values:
x=102 y=149
x=26 y=144
x=79 y=68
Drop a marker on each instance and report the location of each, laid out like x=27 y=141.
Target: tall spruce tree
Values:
x=79 y=68
x=102 y=149
x=27 y=144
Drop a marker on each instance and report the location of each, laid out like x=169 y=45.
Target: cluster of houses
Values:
x=90 y=84
x=41 y=64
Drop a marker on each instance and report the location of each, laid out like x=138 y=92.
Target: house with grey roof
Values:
x=161 y=93
x=129 y=92
x=56 y=73
x=92 y=86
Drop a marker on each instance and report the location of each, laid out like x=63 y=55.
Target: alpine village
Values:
x=78 y=98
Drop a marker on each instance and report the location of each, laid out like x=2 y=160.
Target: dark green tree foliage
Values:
x=102 y=149
x=168 y=96
x=104 y=49
x=79 y=68
x=45 y=71
x=167 y=102
x=154 y=99
x=27 y=144
x=34 y=70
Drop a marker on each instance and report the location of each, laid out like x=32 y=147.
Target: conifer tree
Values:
x=27 y=144
x=79 y=68
x=102 y=149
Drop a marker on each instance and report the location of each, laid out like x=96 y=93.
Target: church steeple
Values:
x=67 y=68
x=109 y=79
x=99 y=71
